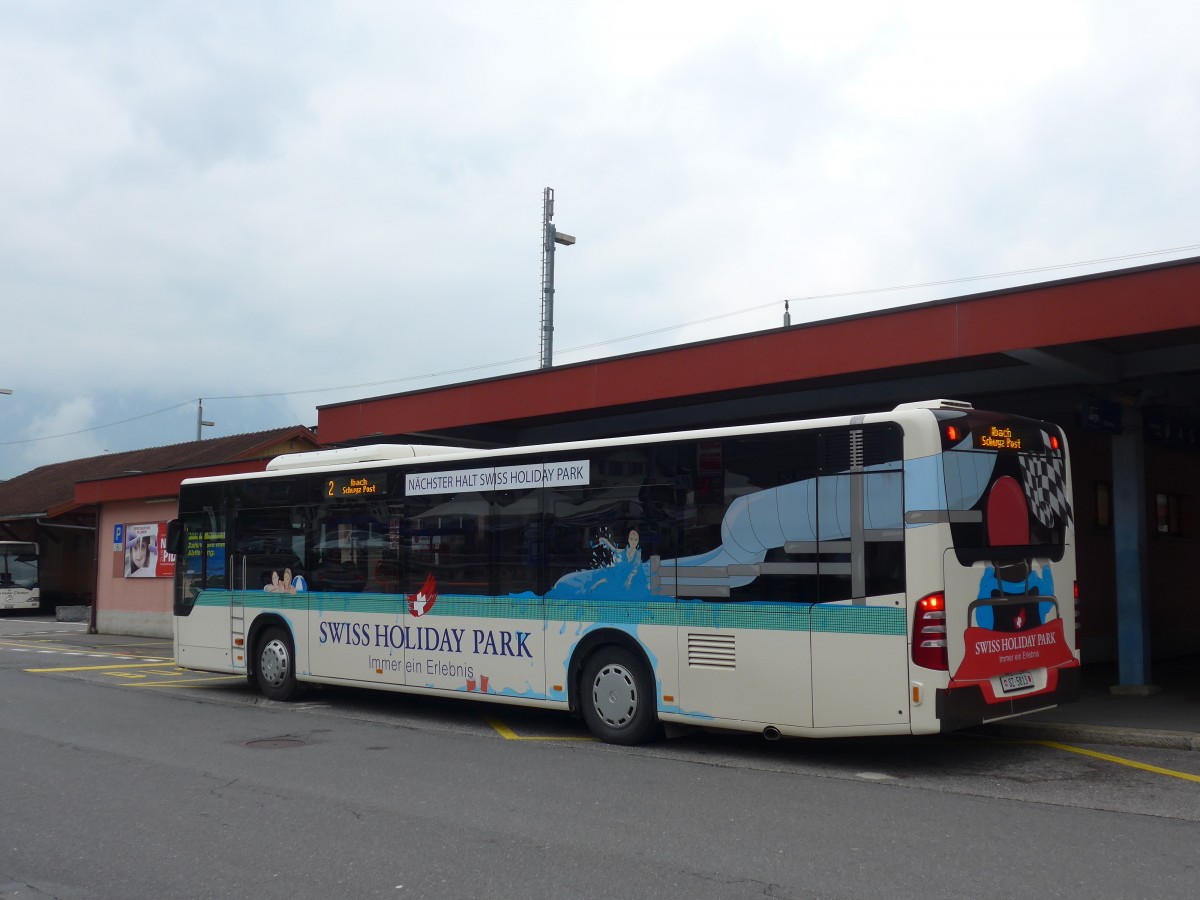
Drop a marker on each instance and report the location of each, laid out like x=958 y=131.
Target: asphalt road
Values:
x=123 y=776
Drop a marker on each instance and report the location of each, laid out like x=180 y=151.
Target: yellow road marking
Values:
x=509 y=735
x=125 y=674
x=51 y=644
x=1158 y=770
x=190 y=682
x=97 y=668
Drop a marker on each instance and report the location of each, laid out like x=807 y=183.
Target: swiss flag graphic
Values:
x=422 y=601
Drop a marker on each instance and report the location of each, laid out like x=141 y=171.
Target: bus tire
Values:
x=617 y=697
x=275 y=665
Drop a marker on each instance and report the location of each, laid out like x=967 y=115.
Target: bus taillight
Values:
x=929 y=633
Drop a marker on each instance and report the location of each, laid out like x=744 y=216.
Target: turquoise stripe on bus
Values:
x=859 y=619
x=828 y=618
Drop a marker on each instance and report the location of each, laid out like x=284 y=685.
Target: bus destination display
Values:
x=355 y=486
x=998 y=437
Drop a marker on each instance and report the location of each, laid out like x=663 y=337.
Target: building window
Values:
x=1166 y=514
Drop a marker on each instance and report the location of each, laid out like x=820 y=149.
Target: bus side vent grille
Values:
x=842 y=450
x=711 y=651
x=856 y=449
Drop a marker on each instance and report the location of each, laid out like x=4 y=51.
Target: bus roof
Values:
x=383 y=455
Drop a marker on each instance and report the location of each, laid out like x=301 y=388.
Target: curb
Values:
x=1097 y=734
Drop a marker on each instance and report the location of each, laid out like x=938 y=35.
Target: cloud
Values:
x=227 y=200
x=69 y=419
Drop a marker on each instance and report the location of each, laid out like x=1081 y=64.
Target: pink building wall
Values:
x=130 y=605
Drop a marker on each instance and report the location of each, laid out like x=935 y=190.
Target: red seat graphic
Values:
x=1007 y=514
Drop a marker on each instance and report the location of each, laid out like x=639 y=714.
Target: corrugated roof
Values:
x=52 y=485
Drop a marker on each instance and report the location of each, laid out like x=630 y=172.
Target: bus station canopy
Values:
x=1125 y=336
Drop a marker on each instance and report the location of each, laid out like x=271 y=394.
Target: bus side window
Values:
x=860 y=512
x=615 y=527
x=516 y=541
x=883 y=523
x=785 y=465
x=201 y=565
x=442 y=536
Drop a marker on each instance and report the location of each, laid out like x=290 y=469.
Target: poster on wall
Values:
x=146 y=553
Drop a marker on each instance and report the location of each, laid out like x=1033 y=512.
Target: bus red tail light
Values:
x=929 y=633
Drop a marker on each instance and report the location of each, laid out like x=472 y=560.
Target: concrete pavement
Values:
x=1168 y=717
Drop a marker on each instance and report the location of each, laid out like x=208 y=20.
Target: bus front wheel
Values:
x=617 y=697
x=276 y=669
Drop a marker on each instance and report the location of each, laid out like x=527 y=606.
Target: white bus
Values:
x=19 y=575
x=901 y=572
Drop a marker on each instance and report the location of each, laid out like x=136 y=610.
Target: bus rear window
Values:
x=1006 y=490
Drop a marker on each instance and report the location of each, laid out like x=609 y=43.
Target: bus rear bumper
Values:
x=966 y=706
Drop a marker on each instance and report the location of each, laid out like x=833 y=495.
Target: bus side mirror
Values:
x=175 y=536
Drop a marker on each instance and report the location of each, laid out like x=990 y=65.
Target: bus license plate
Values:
x=1016 y=681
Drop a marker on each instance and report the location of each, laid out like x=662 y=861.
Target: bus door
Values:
x=858 y=632
x=237 y=617
x=203 y=593
x=268 y=572
x=1009 y=577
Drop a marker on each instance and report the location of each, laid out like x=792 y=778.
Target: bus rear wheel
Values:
x=618 y=697
x=276 y=668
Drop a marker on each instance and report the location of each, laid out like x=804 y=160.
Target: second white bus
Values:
x=19 y=575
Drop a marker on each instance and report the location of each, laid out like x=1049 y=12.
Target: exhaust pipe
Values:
x=771 y=733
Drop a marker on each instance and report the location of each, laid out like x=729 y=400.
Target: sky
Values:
x=279 y=205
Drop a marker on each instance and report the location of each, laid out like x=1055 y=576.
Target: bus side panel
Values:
x=343 y=643
x=202 y=637
x=860 y=663
x=475 y=645
x=759 y=675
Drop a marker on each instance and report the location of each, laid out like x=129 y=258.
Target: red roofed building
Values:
x=72 y=510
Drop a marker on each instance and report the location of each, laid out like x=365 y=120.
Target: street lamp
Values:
x=200 y=420
x=550 y=237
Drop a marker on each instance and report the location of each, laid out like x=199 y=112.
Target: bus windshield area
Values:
x=1006 y=488
x=18 y=566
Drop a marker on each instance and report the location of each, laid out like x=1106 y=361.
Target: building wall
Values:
x=1171 y=594
x=1091 y=464
x=1174 y=625
x=128 y=604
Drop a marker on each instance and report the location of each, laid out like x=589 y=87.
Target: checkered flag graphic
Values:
x=1046 y=487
